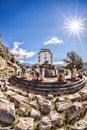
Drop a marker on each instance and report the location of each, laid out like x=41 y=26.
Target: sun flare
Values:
x=75 y=26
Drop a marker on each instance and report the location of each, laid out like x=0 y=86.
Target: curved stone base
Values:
x=45 y=88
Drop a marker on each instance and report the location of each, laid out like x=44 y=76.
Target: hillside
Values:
x=5 y=53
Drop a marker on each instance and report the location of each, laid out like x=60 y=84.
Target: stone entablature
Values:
x=45 y=52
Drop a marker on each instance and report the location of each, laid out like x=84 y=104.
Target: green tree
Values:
x=73 y=60
x=13 y=59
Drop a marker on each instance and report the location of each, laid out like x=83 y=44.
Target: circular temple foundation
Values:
x=45 y=88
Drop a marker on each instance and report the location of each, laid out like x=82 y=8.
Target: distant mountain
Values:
x=27 y=64
x=58 y=66
x=85 y=64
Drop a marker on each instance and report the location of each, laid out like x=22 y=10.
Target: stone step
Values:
x=48 y=89
x=50 y=85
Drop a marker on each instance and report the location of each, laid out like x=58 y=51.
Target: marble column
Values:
x=45 y=57
x=51 y=58
x=39 y=58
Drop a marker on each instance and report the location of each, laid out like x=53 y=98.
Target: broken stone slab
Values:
x=55 y=117
x=35 y=114
x=84 y=103
x=83 y=94
x=19 y=100
x=74 y=97
x=37 y=96
x=80 y=125
x=5 y=128
x=61 y=98
x=30 y=96
x=21 y=111
x=45 y=124
x=7 y=111
x=73 y=111
x=61 y=129
x=45 y=105
x=26 y=123
x=49 y=97
x=2 y=96
x=10 y=93
x=63 y=105
x=34 y=104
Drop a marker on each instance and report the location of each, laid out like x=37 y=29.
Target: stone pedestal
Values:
x=43 y=73
x=61 y=76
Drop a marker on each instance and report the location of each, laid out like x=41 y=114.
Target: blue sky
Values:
x=29 y=25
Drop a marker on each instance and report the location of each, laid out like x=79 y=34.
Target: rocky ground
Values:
x=20 y=110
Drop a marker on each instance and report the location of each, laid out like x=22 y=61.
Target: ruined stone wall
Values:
x=3 y=63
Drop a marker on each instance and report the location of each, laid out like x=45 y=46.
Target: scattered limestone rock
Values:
x=21 y=111
x=63 y=105
x=61 y=129
x=30 y=95
x=62 y=98
x=26 y=123
x=45 y=124
x=8 y=86
x=74 y=97
x=55 y=117
x=19 y=100
x=7 y=111
x=50 y=97
x=10 y=93
x=73 y=111
x=5 y=128
x=2 y=96
x=34 y=104
x=83 y=94
x=84 y=105
x=37 y=96
x=80 y=125
x=35 y=114
x=45 y=105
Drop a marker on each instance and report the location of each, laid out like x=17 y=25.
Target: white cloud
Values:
x=53 y=40
x=16 y=44
x=21 y=61
x=59 y=63
x=26 y=62
x=20 y=53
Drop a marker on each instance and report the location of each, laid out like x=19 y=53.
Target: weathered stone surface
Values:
x=61 y=98
x=7 y=111
x=19 y=100
x=84 y=105
x=2 y=96
x=63 y=105
x=45 y=124
x=74 y=97
x=34 y=104
x=55 y=117
x=5 y=128
x=73 y=111
x=45 y=105
x=21 y=111
x=30 y=95
x=80 y=125
x=26 y=123
x=10 y=93
x=35 y=114
x=83 y=94
x=50 y=97
x=61 y=129
x=37 y=96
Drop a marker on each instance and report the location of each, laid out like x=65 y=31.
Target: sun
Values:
x=75 y=26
